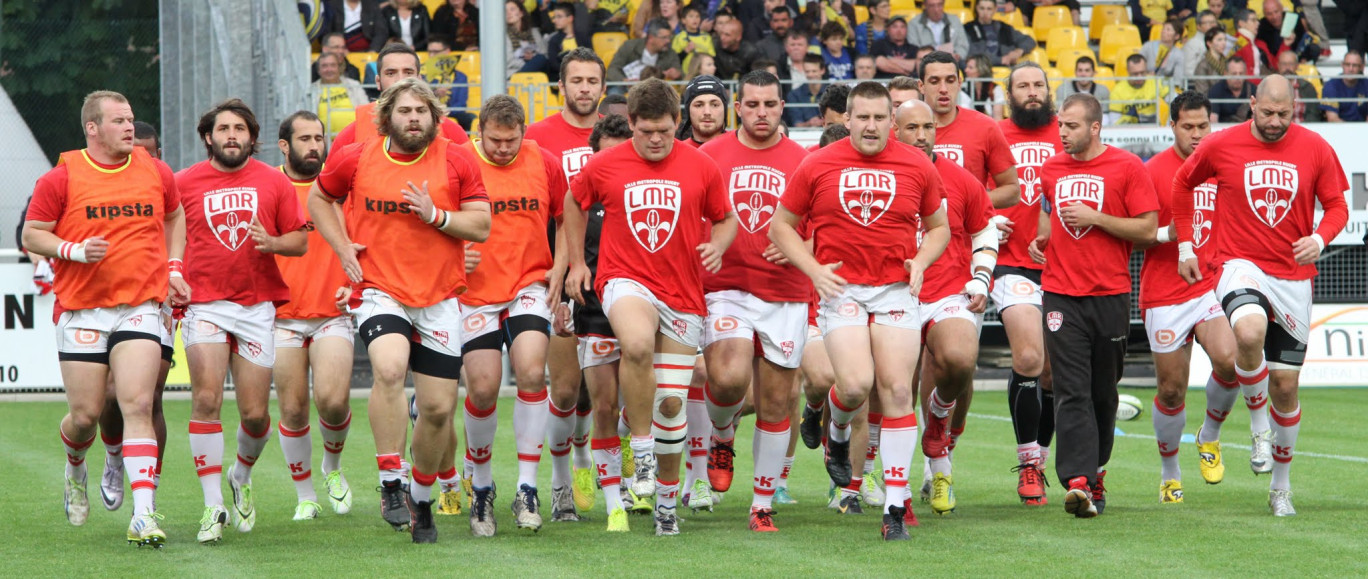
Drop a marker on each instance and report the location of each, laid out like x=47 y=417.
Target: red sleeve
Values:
x=451 y=131
x=170 y=194
x=1197 y=169
x=934 y=192
x=1330 y=188
x=999 y=153
x=797 y=197
x=464 y=178
x=555 y=178
x=336 y=178
x=344 y=138
x=1141 y=199
x=715 y=205
x=49 y=196
x=289 y=216
x=582 y=186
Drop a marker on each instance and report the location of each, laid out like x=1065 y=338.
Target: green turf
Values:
x=1224 y=530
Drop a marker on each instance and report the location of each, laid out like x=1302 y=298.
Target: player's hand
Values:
x=1037 y=249
x=774 y=256
x=180 y=292
x=978 y=303
x=555 y=286
x=1305 y=250
x=914 y=276
x=419 y=202
x=560 y=321
x=265 y=243
x=577 y=281
x=1004 y=226
x=350 y=265
x=341 y=298
x=1079 y=215
x=827 y=283
x=1190 y=271
x=96 y=248
x=711 y=257
x=472 y=259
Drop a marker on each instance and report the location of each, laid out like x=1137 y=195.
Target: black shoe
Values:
x=422 y=529
x=838 y=462
x=394 y=504
x=850 y=505
x=811 y=427
x=894 y=528
x=1099 y=492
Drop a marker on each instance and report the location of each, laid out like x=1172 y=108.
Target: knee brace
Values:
x=673 y=373
x=1245 y=302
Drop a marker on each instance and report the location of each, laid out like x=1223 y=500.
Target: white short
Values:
x=862 y=305
x=954 y=306
x=248 y=330
x=780 y=326
x=597 y=351
x=1290 y=299
x=1170 y=327
x=436 y=327
x=291 y=333
x=1011 y=290
x=168 y=322
x=814 y=334
x=681 y=327
x=477 y=321
x=83 y=335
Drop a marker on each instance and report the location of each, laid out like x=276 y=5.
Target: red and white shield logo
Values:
x=1054 y=320
x=572 y=160
x=229 y=213
x=787 y=347
x=1086 y=189
x=1029 y=157
x=755 y=192
x=866 y=194
x=441 y=336
x=680 y=327
x=527 y=302
x=652 y=211
x=950 y=151
x=1204 y=206
x=1270 y=188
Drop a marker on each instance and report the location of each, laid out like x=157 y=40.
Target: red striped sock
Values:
x=530 y=415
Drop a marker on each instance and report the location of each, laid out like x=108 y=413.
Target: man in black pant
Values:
x=1101 y=201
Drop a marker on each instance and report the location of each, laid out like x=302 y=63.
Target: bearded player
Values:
x=394 y=62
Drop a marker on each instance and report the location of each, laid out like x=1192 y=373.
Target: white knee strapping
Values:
x=673 y=373
x=1247 y=310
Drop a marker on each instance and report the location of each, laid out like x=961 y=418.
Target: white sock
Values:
x=1168 y=434
x=334 y=438
x=1029 y=453
x=76 y=452
x=421 y=488
x=560 y=432
x=767 y=449
x=841 y=417
x=872 y=452
x=297 y=446
x=667 y=493
x=783 y=475
x=480 y=427
x=1285 y=429
x=723 y=417
x=583 y=424
x=899 y=438
x=249 y=448
x=697 y=440
x=530 y=415
x=608 y=460
x=1254 y=386
x=140 y=464
x=1220 y=398
x=206 y=447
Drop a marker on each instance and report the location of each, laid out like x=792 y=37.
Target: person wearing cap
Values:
x=1002 y=44
x=705 y=111
x=893 y=55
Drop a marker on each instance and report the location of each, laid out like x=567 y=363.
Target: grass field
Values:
x=1224 y=530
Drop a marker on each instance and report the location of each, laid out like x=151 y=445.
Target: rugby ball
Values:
x=1129 y=408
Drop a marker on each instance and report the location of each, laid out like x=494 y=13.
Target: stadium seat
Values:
x=964 y=15
x=1054 y=78
x=1114 y=38
x=1064 y=38
x=1104 y=15
x=358 y=59
x=469 y=65
x=953 y=5
x=1312 y=75
x=1013 y=19
x=908 y=14
x=1037 y=56
x=1106 y=75
x=533 y=90
x=1049 y=17
x=1068 y=58
x=1257 y=6
x=606 y=44
x=1122 y=54
x=861 y=15
x=433 y=5
x=1000 y=74
x=904 y=6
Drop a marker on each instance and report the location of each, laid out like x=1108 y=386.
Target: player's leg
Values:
x=111 y=434
x=953 y=343
x=851 y=360
x=330 y=357
x=436 y=397
x=818 y=378
x=158 y=415
x=1222 y=389
x=85 y=384
x=386 y=330
x=252 y=387
x=1169 y=416
x=1285 y=350
x=781 y=330
x=482 y=357
x=132 y=367
x=870 y=490
x=563 y=366
x=1110 y=316
x=781 y=495
x=729 y=365
x=291 y=376
x=206 y=354
x=894 y=350
x=598 y=358
x=673 y=370
x=527 y=354
x=1068 y=344
x=1026 y=399
x=635 y=322
x=1241 y=289
x=583 y=458
x=698 y=493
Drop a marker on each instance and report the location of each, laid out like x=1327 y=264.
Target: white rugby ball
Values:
x=1129 y=408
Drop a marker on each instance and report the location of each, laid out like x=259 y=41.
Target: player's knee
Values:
x=256 y=421
x=727 y=378
x=389 y=374
x=670 y=407
x=84 y=419
x=958 y=363
x=893 y=399
x=563 y=398
x=294 y=418
x=1171 y=392
x=436 y=410
x=531 y=378
x=1028 y=361
x=637 y=352
x=668 y=421
x=206 y=401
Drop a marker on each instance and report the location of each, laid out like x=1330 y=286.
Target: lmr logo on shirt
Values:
x=953 y=152
x=1270 y=187
x=1029 y=157
x=866 y=194
x=1085 y=189
x=755 y=192
x=572 y=160
x=1204 y=205
x=230 y=213
x=652 y=211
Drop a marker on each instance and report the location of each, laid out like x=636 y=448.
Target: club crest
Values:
x=652 y=211
x=866 y=194
x=755 y=191
x=1270 y=188
x=229 y=213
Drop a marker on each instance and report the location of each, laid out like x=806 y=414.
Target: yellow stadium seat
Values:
x=952 y=5
x=1000 y=74
x=903 y=5
x=908 y=14
x=1105 y=14
x=1106 y=76
x=1114 y=38
x=1122 y=54
x=965 y=15
x=1312 y=75
x=358 y=59
x=1048 y=17
x=1013 y=19
x=469 y=65
x=1054 y=78
x=433 y=5
x=1068 y=59
x=606 y=44
x=533 y=90
x=1257 y=6
x=861 y=15
x=1064 y=38
x=1037 y=56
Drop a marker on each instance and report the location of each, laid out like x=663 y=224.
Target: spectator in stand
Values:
x=1136 y=100
x=1084 y=70
x=1305 y=109
x=1163 y=56
x=440 y=69
x=819 y=14
x=701 y=64
x=1149 y=13
x=336 y=43
x=1002 y=44
x=893 y=55
x=796 y=48
x=800 y=106
x=1182 y=10
x=611 y=15
x=525 y=47
x=780 y=23
x=756 y=27
x=766 y=65
x=408 y=20
x=1027 y=7
x=458 y=20
x=1213 y=63
x=637 y=53
x=359 y=22
x=1355 y=24
x=1225 y=14
x=692 y=39
x=933 y=27
x=334 y=96
x=1247 y=45
x=1230 y=99
x=985 y=94
x=1311 y=15
x=864 y=68
x=1348 y=111
x=734 y=55
x=652 y=9
x=876 y=28
x=565 y=38
x=839 y=64
x=1301 y=41
x=650 y=72
x=1195 y=48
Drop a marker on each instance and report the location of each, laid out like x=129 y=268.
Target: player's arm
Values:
x=175 y=254
x=38 y=237
x=723 y=234
x=934 y=241
x=574 y=224
x=471 y=222
x=1194 y=171
x=783 y=232
x=329 y=225
x=291 y=244
x=982 y=262
x=1330 y=188
x=1007 y=191
x=1036 y=248
x=1138 y=229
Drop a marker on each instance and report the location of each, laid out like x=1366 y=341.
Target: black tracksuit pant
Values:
x=1085 y=338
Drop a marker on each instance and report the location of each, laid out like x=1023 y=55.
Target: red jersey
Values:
x=653 y=219
x=968 y=210
x=975 y=142
x=523 y=196
x=410 y=260
x=1267 y=192
x=1160 y=284
x=221 y=261
x=864 y=210
x=569 y=143
x=755 y=181
x=365 y=122
x=1089 y=261
x=314 y=277
x=1030 y=149
x=126 y=204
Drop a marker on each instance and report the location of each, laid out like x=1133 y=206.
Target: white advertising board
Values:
x=28 y=342
x=1336 y=350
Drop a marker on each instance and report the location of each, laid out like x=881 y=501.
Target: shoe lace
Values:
x=207 y=518
x=1030 y=474
x=1098 y=488
x=722 y=455
x=530 y=500
x=393 y=497
x=762 y=518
